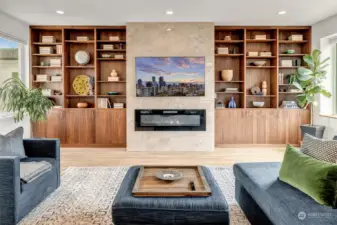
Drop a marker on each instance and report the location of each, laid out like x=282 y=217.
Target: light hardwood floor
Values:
x=84 y=157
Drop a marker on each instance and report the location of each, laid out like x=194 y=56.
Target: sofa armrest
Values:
x=47 y=148
x=9 y=189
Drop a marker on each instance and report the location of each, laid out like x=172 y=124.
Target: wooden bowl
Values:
x=82 y=105
x=259 y=63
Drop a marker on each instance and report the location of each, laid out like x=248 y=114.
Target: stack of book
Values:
x=42 y=78
x=119 y=56
x=59 y=49
x=104 y=103
x=260 y=37
x=223 y=50
x=118 y=105
x=82 y=38
x=46 y=50
x=48 y=39
x=113 y=79
x=296 y=37
x=286 y=63
x=252 y=53
x=108 y=47
x=113 y=38
x=265 y=54
x=56 y=78
x=231 y=89
x=281 y=78
x=55 y=62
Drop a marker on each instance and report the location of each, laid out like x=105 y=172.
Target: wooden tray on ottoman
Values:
x=148 y=185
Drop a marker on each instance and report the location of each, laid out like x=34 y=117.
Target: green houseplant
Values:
x=17 y=98
x=309 y=80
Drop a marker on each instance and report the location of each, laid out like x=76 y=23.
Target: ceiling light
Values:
x=59 y=12
x=169 y=12
x=282 y=12
x=169 y=29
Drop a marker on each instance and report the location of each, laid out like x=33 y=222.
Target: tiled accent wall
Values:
x=185 y=39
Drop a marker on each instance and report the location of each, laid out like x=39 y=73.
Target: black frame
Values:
x=201 y=112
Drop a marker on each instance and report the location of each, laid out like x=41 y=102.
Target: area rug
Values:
x=86 y=194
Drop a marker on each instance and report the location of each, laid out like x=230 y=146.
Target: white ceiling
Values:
x=222 y=12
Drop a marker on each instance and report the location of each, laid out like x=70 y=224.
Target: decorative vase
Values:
x=232 y=103
x=114 y=73
x=227 y=75
x=82 y=105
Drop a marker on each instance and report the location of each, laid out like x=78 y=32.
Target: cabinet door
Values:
x=80 y=127
x=111 y=127
x=52 y=127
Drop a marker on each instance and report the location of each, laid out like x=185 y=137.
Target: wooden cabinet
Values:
x=259 y=126
x=84 y=127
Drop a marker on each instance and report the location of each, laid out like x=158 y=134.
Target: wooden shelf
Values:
x=80 y=67
x=291 y=55
x=228 y=55
x=286 y=85
x=101 y=81
x=53 y=96
x=290 y=93
x=292 y=42
x=228 y=41
x=261 y=57
x=112 y=96
x=233 y=81
x=41 y=43
x=107 y=41
x=111 y=59
x=260 y=41
x=47 y=67
x=262 y=96
x=80 y=42
x=261 y=67
x=80 y=96
x=113 y=50
x=46 y=81
x=229 y=93
x=48 y=55
x=290 y=67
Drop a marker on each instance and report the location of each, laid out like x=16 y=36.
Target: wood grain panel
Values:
x=80 y=126
x=111 y=126
x=259 y=126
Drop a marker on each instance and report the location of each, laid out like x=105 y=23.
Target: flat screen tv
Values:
x=170 y=76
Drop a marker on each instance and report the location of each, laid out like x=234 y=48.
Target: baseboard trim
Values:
x=254 y=145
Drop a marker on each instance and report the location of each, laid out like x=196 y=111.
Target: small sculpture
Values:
x=114 y=73
x=232 y=103
x=264 y=87
x=113 y=76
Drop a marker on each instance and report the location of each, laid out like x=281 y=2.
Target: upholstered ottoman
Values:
x=130 y=210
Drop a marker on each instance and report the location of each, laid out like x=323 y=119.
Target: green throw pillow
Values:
x=316 y=178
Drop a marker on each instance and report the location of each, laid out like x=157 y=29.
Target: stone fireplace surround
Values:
x=185 y=39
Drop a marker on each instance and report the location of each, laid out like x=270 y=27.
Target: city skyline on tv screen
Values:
x=170 y=76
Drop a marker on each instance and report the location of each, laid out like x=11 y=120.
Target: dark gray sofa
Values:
x=17 y=199
x=266 y=200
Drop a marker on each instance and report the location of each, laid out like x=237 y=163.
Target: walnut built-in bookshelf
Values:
x=98 y=67
x=245 y=74
x=93 y=126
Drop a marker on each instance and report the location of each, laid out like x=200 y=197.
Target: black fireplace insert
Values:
x=170 y=120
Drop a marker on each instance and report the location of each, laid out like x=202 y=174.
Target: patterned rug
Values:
x=86 y=194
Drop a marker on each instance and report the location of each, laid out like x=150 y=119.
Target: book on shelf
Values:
x=260 y=37
x=296 y=37
x=59 y=49
x=41 y=77
x=264 y=54
x=82 y=38
x=118 y=105
x=108 y=47
x=55 y=78
x=113 y=38
x=286 y=63
x=46 y=50
x=104 y=103
x=48 y=39
x=55 y=62
x=113 y=79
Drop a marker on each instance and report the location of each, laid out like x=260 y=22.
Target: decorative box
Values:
x=113 y=38
x=224 y=51
x=260 y=37
x=48 y=39
x=82 y=38
x=113 y=79
x=42 y=77
x=296 y=37
x=265 y=54
x=286 y=63
x=118 y=105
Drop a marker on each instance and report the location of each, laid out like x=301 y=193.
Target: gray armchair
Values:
x=17 y=199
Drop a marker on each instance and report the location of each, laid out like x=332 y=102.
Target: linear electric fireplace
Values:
x=170 y=120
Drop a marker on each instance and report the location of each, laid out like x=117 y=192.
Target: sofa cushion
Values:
x=31 y=170
x=324 y=150
x=282 y=203
x=316 y=178
x=11 y=144
x=131 y=210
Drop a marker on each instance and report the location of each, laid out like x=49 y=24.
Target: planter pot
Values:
x=227 y=75
x=313 y=130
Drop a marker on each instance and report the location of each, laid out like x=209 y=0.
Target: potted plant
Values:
x=309 y=80
x=17 y=98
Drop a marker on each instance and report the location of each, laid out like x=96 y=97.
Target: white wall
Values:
x=13 y=27
x=320 y=32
